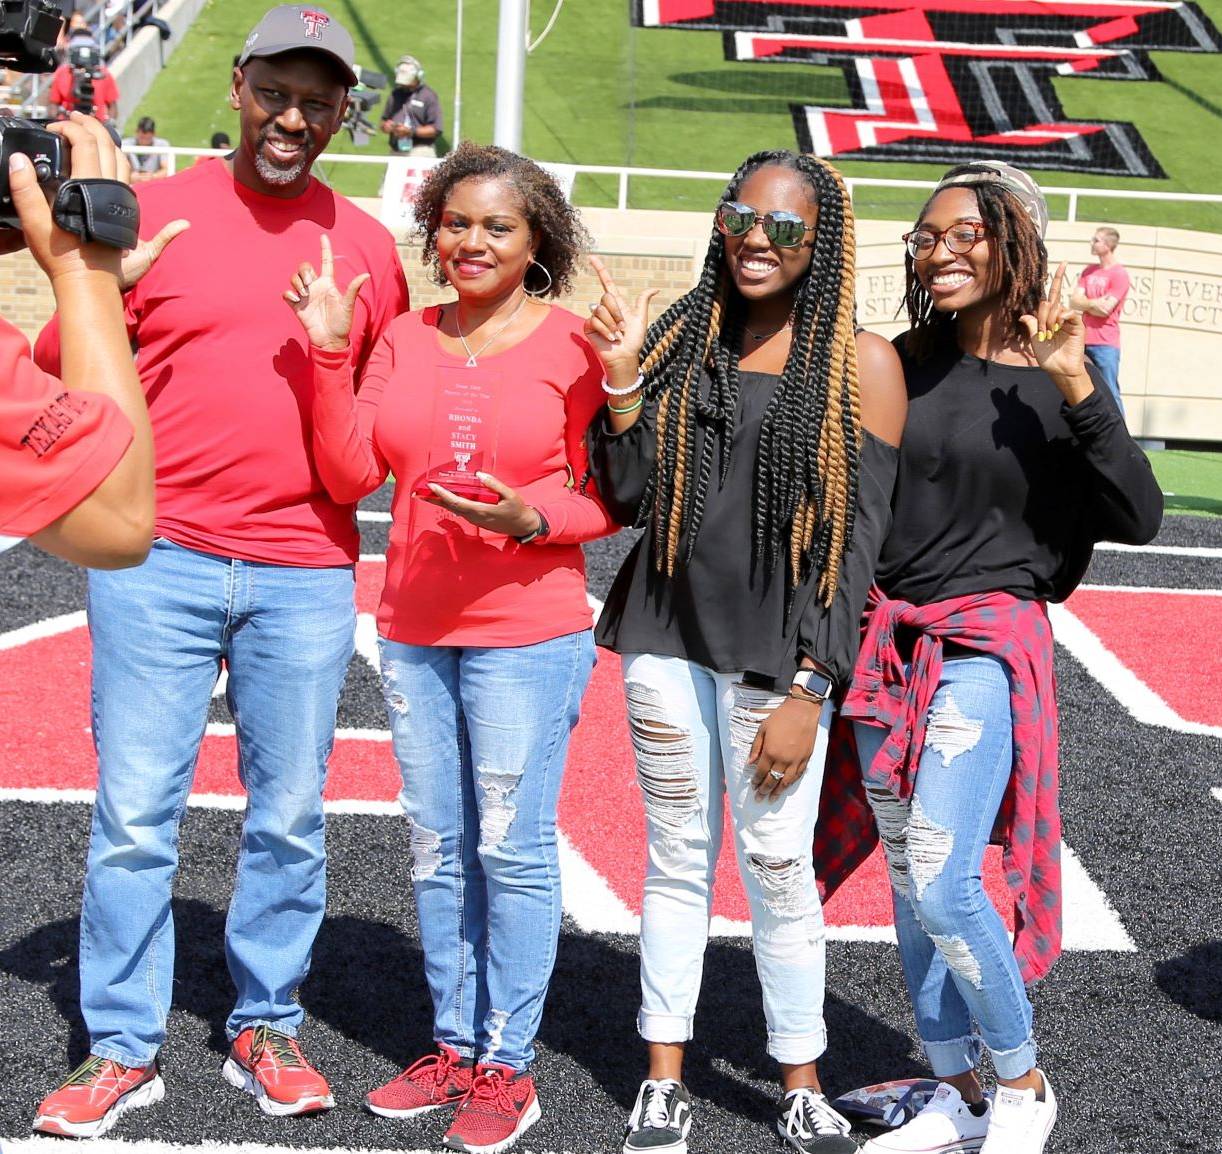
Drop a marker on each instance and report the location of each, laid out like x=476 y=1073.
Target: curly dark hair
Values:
x=806 y=470
x=1018 y=269
x=562 y=237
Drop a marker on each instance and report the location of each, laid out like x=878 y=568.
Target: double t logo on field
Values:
x=945 y=81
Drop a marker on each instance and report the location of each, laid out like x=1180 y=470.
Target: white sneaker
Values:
x=1021 y=1122
x=945 y=1126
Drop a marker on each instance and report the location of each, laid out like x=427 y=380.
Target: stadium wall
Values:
x=1171 y=333
x=137 y=65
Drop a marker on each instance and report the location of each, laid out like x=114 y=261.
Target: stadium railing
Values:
x=625 y=175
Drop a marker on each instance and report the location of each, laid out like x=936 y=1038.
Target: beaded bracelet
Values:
x=632 y=408
x=632 y=388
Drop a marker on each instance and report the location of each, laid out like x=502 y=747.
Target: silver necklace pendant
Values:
x=471 y=361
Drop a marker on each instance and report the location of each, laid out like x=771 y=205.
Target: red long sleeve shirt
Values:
x=56 y=445
x=225 y=365
x=447 y=581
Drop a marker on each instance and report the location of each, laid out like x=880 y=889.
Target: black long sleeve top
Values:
x=1003 y=486
x=720 y=609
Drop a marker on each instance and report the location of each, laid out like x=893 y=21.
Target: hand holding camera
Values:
x=93 y=156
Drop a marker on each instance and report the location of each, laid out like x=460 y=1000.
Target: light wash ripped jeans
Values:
x=957 y=955
x=692 y=730
x=481 y=736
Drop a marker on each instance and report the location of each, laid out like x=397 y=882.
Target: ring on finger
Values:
x=776 y=774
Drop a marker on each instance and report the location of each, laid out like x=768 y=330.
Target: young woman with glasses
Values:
x=1014 y=462
x=479 y=406
x=751 y=432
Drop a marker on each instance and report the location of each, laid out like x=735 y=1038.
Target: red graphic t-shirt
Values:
x=1097 y=281
x=56 y=445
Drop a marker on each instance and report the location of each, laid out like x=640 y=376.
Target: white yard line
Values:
x=1142 y=703
x=1160 y=550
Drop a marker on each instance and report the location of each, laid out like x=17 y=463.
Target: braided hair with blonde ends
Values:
x=808 y=457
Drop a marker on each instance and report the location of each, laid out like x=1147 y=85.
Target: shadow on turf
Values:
x=367 y=984
x=1191 y=980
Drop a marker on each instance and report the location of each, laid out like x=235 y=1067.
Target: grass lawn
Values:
x=600 y=92
x=1191 y=481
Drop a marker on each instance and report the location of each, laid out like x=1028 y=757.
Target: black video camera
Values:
x=28 y=32
x=360 y=100
x=85 y=60
x=98 y=210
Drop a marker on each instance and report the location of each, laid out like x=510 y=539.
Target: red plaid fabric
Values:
x=1029 y=822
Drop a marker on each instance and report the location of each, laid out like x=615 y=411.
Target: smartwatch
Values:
x=538 y=534
x=813 y=684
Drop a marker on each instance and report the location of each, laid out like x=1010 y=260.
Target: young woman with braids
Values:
x=484 y=627
x=1014 y=462
x=750 y=432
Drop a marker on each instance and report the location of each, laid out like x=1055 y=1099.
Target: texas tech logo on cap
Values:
x=315 y=22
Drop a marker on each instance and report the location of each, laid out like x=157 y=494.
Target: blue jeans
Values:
x=160 y=633
x=692 y=730
x=481 y=737
x=1106 y=359
x=957 y=955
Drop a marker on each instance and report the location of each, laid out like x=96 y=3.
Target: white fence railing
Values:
x=624 y=175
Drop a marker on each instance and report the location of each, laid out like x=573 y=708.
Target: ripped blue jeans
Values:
x=481 y=736
x=957 y=955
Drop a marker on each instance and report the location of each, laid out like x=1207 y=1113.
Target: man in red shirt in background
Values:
x=252 y=568
x=84 y=80
x=1099 y=297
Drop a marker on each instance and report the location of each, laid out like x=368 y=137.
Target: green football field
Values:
x=1191 y=481
x=600 y=92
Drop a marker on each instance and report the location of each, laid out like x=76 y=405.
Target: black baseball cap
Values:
x=302 y=28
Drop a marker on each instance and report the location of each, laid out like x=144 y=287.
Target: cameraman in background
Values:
x=411 y=117
x=76 y=455
x=84 y=83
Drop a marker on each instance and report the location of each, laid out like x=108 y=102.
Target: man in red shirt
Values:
x=1099 y=296
x=252 y=569
x=84 y=78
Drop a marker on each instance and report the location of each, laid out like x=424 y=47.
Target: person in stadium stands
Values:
x=1099 y=297
x=1014 y=462
x=484 y=626
x=216 y=140
x=751 y=433
x=76 y=454
x=65 y=95
x=252 y=568
x=147 y=165
x=411 y=117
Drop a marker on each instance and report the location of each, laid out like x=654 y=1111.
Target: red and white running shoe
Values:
x=270 y=1065
x=95 y=1096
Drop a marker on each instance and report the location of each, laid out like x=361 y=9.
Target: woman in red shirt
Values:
x=479 y=408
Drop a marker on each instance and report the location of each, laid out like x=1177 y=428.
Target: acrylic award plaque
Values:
x=462 y=435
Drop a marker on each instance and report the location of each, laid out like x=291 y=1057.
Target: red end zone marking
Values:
x=44 y=725
x=1167 y=640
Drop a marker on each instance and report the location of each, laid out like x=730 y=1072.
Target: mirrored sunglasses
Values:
x=784 y=229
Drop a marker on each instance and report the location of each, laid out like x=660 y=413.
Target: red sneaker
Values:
x=433 y=1082
x=500 y=1108
x=95 y=1096
x=270 y=1065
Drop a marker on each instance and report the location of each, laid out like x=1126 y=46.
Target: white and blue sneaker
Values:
x=1021 y=1121
x=946 y=1125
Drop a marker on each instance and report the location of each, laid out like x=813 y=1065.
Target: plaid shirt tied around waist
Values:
x=883 y=692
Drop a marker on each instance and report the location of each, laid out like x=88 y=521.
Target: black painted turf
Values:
x=1132 y=1042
